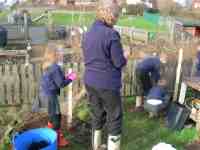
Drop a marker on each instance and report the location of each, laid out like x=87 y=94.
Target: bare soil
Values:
x=81 y=130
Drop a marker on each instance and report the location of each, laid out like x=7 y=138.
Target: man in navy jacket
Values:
x=147 y=74
x=104 y=59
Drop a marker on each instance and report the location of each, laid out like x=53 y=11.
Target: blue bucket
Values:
x=24 y=140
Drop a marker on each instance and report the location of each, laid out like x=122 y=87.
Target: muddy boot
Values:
x=62 y=142
x=139 y=104
x=152 y=115
x=114 y=142
x=97 y=139
x=50 y=125
x=139 y=109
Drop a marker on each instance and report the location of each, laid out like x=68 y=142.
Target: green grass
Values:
x=73 y=18
x=140 y=23
x=78 y=18
x=141 y=133
x=3 y=16
x=63 y=18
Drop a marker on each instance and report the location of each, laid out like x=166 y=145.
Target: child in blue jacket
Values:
x=52 y=80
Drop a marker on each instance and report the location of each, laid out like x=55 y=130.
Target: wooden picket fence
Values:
x=133 y=33
x=19 y=83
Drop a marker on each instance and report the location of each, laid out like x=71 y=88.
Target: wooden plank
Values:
x=130 y=70
x=75 y=83
x=2 y=94
x=7 y=105
x=35 y=82
x=62 y=92
x=8 y=81
x=37 y=73
x=133 y=76
x=64 y=103
x=16 y=85
x=32 y=86
x=178 y=74
x=182 y=95
x=70 y=102
x=80 y=76
x=65 y=89
x=24 y=83
x=127 y=79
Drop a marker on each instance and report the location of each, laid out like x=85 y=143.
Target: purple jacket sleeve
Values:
x=116 y=51
x=59 y=78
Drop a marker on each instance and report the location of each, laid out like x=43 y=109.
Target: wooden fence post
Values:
x=178 y=74
x=70 y=102
x=2 y=94
x=8 y=83
x=16 y=85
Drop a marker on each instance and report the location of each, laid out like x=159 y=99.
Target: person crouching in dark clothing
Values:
x=158 y=91
x=104 y=59
x=157 y=98
x=52 y=80
x=147 y=75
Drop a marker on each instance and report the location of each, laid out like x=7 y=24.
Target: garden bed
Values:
x=79 y=133
x=139 y=131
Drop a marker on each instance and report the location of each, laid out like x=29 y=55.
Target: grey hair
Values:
x=107 y=10
x=112 y=5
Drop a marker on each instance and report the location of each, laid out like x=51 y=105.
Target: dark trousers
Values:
x=106 y=107
x=54 y=111
x=144 y=83
x=52 y=104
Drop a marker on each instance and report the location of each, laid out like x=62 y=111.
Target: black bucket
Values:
x=177 y=116
x=3 y=36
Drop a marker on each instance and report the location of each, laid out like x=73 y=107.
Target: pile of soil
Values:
x=38 y=145
x=81 y=131
x=33 y=120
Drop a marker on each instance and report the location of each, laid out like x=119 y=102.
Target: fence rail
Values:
x=136 y=34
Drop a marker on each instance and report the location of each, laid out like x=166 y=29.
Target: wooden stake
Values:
x=50 y=21
x=178 y=74
x=70 y=103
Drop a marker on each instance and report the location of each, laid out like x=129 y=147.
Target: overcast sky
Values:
x=184 y=2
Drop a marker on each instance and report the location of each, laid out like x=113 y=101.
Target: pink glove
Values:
x=72 y=76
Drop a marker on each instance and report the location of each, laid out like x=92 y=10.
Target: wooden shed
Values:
x=192 y=27
x=196 y=4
